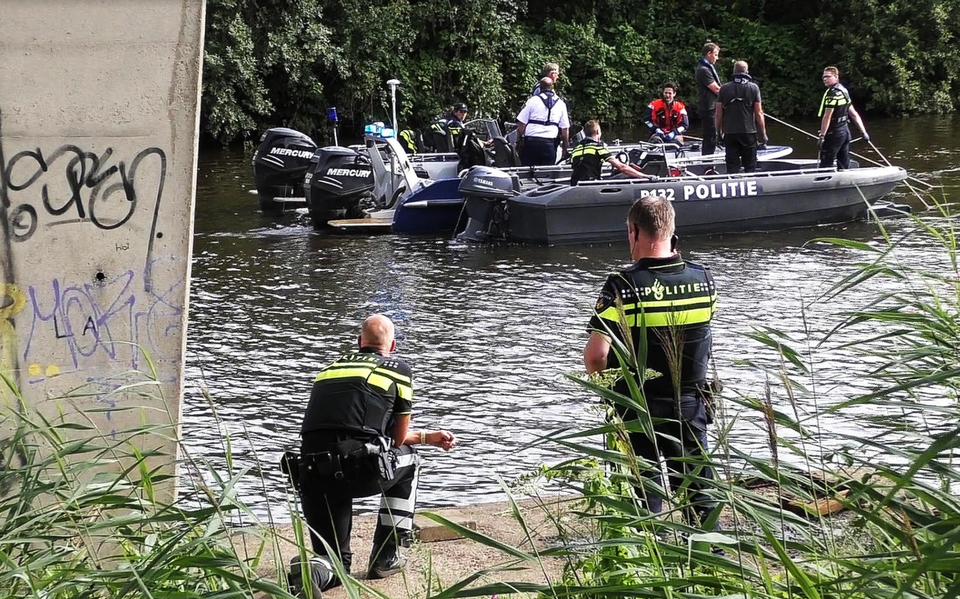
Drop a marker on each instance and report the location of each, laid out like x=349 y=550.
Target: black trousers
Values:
x=836 y=148
x=709 y=143
x=682 y=441
x=538 y=151
x=741 y=152
x=328 y=507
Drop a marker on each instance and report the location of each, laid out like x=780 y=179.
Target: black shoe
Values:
x=322 y=577
x=382 y=568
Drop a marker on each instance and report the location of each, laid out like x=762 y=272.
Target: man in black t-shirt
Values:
x=356 y=442
x=708 y=86
x=740 y=120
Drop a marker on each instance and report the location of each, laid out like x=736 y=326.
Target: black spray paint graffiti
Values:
x=91 y=190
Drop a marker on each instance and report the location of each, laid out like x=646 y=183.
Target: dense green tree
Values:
x=283 y=62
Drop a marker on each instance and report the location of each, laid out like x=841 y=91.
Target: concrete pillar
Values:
x=99 y=118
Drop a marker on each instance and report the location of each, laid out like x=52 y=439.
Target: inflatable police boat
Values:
x=784 y=194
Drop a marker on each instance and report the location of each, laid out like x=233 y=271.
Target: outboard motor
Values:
x=279 y=165
x=337 y=183
x=485 y=191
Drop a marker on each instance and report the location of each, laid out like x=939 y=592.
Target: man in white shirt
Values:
x=542 y=122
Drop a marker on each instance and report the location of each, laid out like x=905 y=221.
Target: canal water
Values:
x=490 y=331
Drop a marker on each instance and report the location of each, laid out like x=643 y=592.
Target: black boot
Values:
x=322 y=577
x=385 y=559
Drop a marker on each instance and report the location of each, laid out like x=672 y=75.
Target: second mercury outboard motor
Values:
x=337 y=183
x=279 y=165
x=485 y=191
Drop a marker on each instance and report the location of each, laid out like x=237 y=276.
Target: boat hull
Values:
x=596 y=212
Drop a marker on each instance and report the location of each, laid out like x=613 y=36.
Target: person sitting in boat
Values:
x=589 y=154
x=666 y=116
x=448 y=129
x=551 y=70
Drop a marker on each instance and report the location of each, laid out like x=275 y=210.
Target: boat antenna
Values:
x=393 y=83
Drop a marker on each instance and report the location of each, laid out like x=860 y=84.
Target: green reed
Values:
x=872 y=514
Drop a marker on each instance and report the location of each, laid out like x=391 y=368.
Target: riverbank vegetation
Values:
x=283 y=63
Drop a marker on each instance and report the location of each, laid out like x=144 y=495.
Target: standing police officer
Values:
x=836 y=110
x=740 y=120
x=541 y=123
x=708 y=86
x=667 y=306
x=356 y=442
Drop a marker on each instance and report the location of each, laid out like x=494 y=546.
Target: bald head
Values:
x=546 y=84
x=377 y=332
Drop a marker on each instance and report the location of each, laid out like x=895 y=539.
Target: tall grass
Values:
x=870 y=514
x=81 y=516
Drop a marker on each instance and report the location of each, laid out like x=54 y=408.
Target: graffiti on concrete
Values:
x=73 y=185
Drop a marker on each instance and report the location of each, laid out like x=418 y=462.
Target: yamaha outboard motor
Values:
x=485 y=191
x=338 y=184
x=279 y=165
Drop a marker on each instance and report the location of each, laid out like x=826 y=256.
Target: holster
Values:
x=290 y=465
x=708 y=395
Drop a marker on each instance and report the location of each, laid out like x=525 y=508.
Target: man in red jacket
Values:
x=666 y=116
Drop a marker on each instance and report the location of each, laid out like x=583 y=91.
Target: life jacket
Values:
x=666 y=117
x=549 y=100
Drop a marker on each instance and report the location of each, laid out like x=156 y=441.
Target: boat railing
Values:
x=719 y=176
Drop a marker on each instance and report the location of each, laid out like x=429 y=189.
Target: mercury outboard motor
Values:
x=337 y=183
x=485 y=191
x=279 y=165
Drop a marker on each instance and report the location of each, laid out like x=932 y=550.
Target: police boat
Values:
x=439 y=206
x=783 y=194
x=285 y=156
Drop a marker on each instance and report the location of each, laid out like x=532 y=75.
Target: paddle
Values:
x=874 y=162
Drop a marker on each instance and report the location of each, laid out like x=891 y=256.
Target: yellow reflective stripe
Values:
x=610 y=313
x=379 y=381
x=405 y=391
x=664 y=318
x=400 y=378
x=343 y=373
x=668 y=319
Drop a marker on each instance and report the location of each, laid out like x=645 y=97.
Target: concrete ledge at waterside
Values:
x=442 y=557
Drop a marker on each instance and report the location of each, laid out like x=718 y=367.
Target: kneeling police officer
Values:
x=356 y=442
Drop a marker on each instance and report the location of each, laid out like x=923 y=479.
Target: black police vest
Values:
x=838 y=98
x=668 y=309
x=357 y=394
x=587 y=159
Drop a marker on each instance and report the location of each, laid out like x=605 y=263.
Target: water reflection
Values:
x=489 y=330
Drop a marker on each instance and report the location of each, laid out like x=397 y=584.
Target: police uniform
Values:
x=836 y=143
x=545 y=115
x=587 y=157
x=350 y=418
x=707 y=106
x=448 y=124
x=666 y=117
x=738 y=98
x=668 y=305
